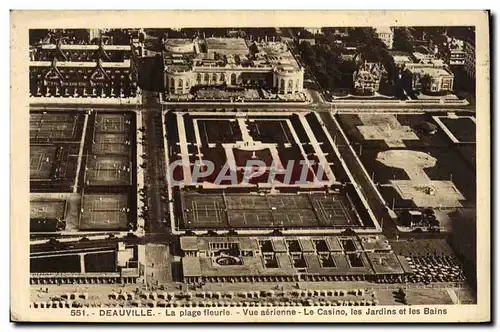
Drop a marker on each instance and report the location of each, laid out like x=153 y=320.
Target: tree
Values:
x=425 y=82
x=37 y=35
x=403 y=40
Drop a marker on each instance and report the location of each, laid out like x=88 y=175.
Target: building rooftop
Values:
x=401 y=57
x=203 y=243
x=277 y=54
x=306 y=245
x=383 y=29
x=375 y=243
x=383 y=263
x=227 y=45
x=455 y=44
x=178 y=41
x=279 y=245
x=333 y=244
x=369 y=72
x=189 y=243
x=364 y=254
x=254 y=266
x=233 y=52
x=430 y=69
x=81 y=52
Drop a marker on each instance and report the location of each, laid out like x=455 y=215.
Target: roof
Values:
x=284 y=261
x=333 y=244
x=313 y=264
x=375 y=243
x=227 y=45
x=203 y=243
x=385 y=263
x=401 y=57
x=404 y=264
x=89 y=52
x=279 y=244
x=191 y=266
x=178 y=41
x=306 y=245
x=221 y=52
x=189 y=243
x=383 y=29
x=277 y=54
x=429 y=69
x=249 y=243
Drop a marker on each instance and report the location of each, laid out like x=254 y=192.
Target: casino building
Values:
x=230 y=62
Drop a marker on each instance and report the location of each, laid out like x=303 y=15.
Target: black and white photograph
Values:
x=256 y=173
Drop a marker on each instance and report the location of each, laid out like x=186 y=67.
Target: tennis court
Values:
x=112 y=123
x=250 y=218
x=42 y=159
x=294 y=218
x=204 y=212
x=104 y=212
x=47 y=209
x=116 y=143
x=217 y=211
x=246 y=202
x=115 y=138
x=105 y=169
x=110 y=149
x=332 y=211
x=50 y=126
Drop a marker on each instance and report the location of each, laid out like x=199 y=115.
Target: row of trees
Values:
x=327 y=65
x=406 y=38
x=335 y=72
x=254 y=33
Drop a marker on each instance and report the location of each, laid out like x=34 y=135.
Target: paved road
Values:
x=317 y=105
x=154 y=152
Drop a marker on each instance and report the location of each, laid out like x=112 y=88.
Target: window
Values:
x=207 y=78
x=233 y=79
x=180 y=83
x=172 y=82
x=198 y=78
x=214 y=78
x=222 y=77
x=282 y=83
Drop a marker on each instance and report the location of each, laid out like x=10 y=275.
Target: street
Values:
x=153 y=144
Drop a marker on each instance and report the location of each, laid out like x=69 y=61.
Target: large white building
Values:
x=230 y=62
